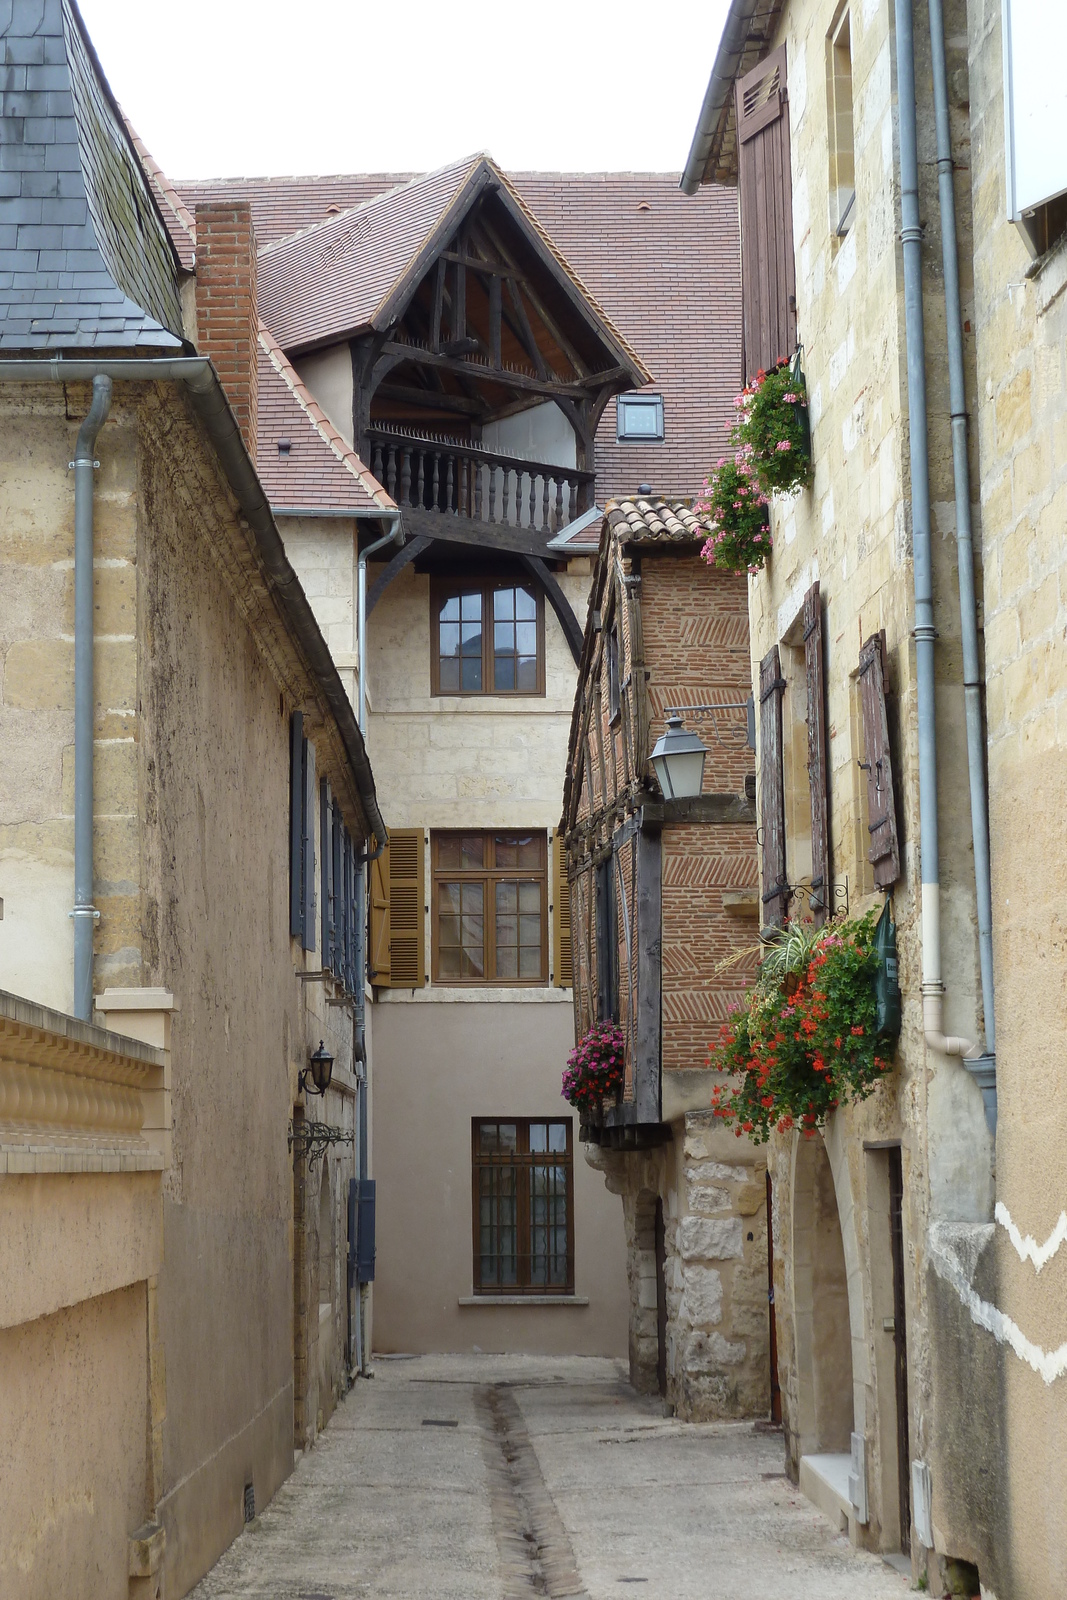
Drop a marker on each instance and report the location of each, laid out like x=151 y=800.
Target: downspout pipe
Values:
x=984 y=1066
x=85 y=913
x=925 y=633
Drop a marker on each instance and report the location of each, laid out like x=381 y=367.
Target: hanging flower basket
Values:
x=595 y=1067
x=735 y=509
x=806 y=1038
x=772 y=428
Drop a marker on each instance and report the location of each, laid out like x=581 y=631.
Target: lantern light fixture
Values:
x=319 y=1069
x=678 y=759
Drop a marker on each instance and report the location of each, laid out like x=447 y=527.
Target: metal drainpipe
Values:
x=395 y=535
x=85 y=913
x=984 y=1068
x=911 y=234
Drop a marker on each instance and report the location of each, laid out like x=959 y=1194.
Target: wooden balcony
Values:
x=439 y=477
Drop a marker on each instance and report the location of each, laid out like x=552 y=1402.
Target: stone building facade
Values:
x=876 y=100
x=662 y=895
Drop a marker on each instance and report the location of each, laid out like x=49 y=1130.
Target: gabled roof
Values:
x=665 y=268
x=747 y=33
x=316 y=471
x=85 y=260
x=359 y=270
x=654 y=521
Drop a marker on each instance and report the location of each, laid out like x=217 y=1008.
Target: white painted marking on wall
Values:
x=1028 y=1248
x=1049 y=1364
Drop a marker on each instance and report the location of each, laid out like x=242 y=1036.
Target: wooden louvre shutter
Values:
x=818 y=780
x=308 y=932
x=884 y=850
x=405 y=857
x=765 y=186
x=772 y=790
x=380 y=971
x=297 y=748
x=561 y=916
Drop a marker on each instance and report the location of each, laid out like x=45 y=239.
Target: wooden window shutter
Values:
x=326 y=881
x=407 y=887
x=765 y=188
x=884 y=850
x=308 y=933
x=297 y=748
x=561 y=916
x=380 y=971
x=818 y=776
x=772 y=790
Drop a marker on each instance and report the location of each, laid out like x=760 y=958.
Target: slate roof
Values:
x=664 y=268
x=655 y=521
x=319 y=471
x=85 y=259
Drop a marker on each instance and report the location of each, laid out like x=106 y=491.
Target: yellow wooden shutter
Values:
x=561 y=916
x=407 y=944
x=379 y=920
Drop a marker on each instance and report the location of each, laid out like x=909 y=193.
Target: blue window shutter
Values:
x=365 y=1232
x=353 y=1225
x=309 y=846
x=325 y=819
x=296 y=825
x=339 y=914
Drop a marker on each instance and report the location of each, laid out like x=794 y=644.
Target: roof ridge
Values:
x=320 y=421
x=155 y=174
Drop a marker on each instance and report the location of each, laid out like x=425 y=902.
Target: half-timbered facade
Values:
x=662 y=893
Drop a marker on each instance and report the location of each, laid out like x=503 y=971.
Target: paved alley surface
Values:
x=496 y=1477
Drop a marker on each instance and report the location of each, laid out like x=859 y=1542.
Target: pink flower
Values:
x=783 y=444
x=791 y=399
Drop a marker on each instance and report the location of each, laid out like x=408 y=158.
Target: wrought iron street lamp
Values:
x=319 y=1069
x=678 y=759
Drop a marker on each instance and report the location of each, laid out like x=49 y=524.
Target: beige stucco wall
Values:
x=1021 y=326
x=328 y=374
x=852 y=531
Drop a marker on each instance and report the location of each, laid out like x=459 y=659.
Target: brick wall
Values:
x=226 y=317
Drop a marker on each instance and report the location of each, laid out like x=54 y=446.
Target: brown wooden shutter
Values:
x=405 y=876
x=765 y=187
x=772 y=791
x=818 y=776
x=561 y=916
x=380 y=970
x=884 y=851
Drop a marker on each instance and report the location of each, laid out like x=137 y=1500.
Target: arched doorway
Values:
x=825 y=1410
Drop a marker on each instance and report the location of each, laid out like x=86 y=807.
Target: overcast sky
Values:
x=222 y=88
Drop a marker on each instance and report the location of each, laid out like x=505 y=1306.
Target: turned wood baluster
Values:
x=420 y=480
x=463 y=488
x=448 y=483
x=492 y=492
x=546 y=481
x=376 y=463
x=559 y=504
x=505 y=514
x=405 y=477
x=533 y=501
x=390 y=471
x=436 y=480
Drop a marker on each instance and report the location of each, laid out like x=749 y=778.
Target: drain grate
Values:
x=440 y=1422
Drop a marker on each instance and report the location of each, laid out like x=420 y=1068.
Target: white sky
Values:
x=260 y=87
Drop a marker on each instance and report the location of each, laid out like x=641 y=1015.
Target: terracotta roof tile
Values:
x=178 y=219
x=667 y=276
x=319 y=471
x=654 y=521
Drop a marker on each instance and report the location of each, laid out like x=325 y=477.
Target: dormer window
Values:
x=640 y=416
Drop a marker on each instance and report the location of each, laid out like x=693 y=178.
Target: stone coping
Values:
x=523 y=1300
x=22 y=1019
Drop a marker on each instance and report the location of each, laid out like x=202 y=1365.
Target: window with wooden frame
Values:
x=489 y=908
x=487 y=636
x=842 y=146
x=523 y=1209
x=611 y=645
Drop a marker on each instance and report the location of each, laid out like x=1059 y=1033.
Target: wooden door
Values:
x=776 y=1392
x=900 y=1344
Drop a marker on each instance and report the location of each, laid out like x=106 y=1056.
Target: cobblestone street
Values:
x=491 y=1478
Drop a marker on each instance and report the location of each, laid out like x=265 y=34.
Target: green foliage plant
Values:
x=735 y=509
x=772 y=432
x=804 y=1040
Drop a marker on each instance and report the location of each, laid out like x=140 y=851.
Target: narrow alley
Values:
x=495 y=1477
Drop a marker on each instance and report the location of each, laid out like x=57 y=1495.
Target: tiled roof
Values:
x=318 y=471
x=747 y=32
x=85 y=261
x=179 y=220
x=654 y=521
x=667 y=276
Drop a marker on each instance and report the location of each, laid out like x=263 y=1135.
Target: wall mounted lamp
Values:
x=319 y=1069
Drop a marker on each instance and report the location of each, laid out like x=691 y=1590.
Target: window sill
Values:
x=523 y=1300
x=538 y=994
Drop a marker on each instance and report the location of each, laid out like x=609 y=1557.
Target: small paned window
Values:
x=523 y=1206
x=607 y=942
x=614 y=697
x=639 y=416
x=487 y=638
x=842 y=146
x=490 y=900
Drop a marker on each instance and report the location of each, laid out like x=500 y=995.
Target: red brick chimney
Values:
x=226 y=306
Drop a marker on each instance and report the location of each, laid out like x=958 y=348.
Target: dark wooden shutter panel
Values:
x=308 y=934
x=884 y=851
x=297 y=747
x=407 y=964
x=365 y=1245
x=325 y=872
x=765 y=188
x=818 y=777
x=561 y=916
x=772 y=791
x=379 y=922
